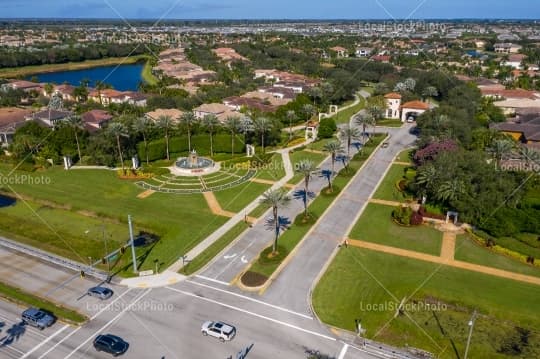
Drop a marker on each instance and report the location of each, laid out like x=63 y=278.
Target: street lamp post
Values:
x=133 y=256
x=471 y=325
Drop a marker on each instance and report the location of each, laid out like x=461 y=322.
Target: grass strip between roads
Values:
x=18 y=296
x=213 y=250
x=264 y=267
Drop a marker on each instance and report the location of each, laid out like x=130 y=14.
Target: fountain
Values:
x=194 y=165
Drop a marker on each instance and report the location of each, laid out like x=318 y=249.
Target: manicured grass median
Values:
x=388 y=189
x=369 y=285
x=20 y=297
x=298 y=156
x=297 y=231
x=209 y=253
x=375 y=225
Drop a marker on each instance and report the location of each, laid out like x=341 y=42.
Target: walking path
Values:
x=448 y=246
x=214 y=205
x=402 y=163
x=146 y=194
x=385 y=202
x=444 y=261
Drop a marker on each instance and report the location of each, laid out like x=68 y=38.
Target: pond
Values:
x=120 y=77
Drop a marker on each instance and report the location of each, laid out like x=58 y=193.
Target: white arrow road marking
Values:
x=229 y=256
x=243 y=259
x=343 y=351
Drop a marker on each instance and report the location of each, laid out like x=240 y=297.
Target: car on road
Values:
x=110 y=344
x=220 y=330
x=38 y=318
x=100 y=292
x=385 y=144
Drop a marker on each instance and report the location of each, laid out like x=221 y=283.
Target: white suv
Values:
x=220 y=330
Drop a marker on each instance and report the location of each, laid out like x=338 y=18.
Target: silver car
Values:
x=100 y=292
x=220 y=330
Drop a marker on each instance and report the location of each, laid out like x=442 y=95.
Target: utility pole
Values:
x=471 y=325
x=106 y=250
x=133 y=256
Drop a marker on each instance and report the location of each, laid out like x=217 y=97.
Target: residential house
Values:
x=65 y=91
x=515 y=61
x=95 y=119
x=411 y=110
x=219 y=110
x=381 y=58
x=236 y=103
x=228 y=54
x=49 y=117
x=11 y=118
x=507 y=48
x=525 y=129
x=340 y=51
x=363 y=51
x=24 y=85
x=173 y=113
x=393 y=104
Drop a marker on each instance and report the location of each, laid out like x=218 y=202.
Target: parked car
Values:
x=38 y=318
x=220 y=330
x=100 y=292
x=385 y=144
x=110 y=344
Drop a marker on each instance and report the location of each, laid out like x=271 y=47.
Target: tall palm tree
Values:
x=291 y=116
x=165 y=122
x=118 y=130
x=365 y=119
x=426 y=177
x=275 y=199
x=188 y=119
x=76 y=124
x=262 y=126
x=531 y=156
x=450 y=190
x=306 y=168
x=350 y=134
x=232 y=124
x=309 y=110
x=335 y=149
x=211 y=123
x=142 y=125
x=48 y=88
x=501 y=148
x=100 y=85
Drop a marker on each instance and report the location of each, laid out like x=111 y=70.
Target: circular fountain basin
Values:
x=189 y=166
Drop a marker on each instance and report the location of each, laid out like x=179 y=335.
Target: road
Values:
x=165 y=322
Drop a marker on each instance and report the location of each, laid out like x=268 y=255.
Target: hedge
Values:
x=201 y=143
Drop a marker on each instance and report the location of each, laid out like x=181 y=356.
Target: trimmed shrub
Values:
x=327 y=128
x=402 y=215
x=416 y=219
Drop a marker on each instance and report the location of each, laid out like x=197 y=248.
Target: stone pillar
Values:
x=67 y=162
x=135 y=162
x=250 y=150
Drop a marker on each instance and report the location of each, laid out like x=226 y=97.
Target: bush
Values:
x=327 y=128
x=416 y=219
x=402 y=215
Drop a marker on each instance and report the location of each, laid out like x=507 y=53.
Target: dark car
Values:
x=100 y=292
x=110 y=344
x=38 y=318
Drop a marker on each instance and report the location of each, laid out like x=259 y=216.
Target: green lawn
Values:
x=468 y=250
x=369 y=285
x=388 y=189
x=405 y=156
x=236 y=198
x=319 y=145
x=375 y=225
x=345 y=115
x=273 y=171
x=206 y=256
x=181 y=220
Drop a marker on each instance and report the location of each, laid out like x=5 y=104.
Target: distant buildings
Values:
x=11 y=118
x=507 y=48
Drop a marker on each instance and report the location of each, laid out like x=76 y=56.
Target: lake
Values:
x=122 y=78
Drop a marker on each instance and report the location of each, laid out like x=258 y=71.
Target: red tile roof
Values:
x=416 y=105
x=393 y=95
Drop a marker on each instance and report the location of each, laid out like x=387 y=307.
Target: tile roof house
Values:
x=236 y=103
x=412 y=109
x=95 y=119
x=525 y=129
x=173 y=113
x=49 y=117
x=340 y=51
x=219 y=110
x=506 y=48
x=24 y=85
x=11 y=118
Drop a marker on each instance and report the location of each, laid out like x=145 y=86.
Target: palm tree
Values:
x=306 y=168
x=426 y=177
x=165 y=122
x=233 y=125
x=308 y=109
x=262 y=126
x=275 y=199
x=118 y=130
x=188 y=119
x=291 y=116
x=365 y=119
x=531 y=156
x=100 y=85
x=335 y=149
x=48 y=88
x=211 y=123
x=142 y=125
x=350 y=133
x=76 y=124
x=450 y=190
x=501 y=148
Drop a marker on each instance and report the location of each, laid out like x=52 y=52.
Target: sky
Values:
x=275 y=9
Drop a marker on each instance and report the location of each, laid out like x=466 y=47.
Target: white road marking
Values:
x=45 y=341
x=79 y=328
x=229 y=256
x=7 y=348
x=28 y=328
x=109 y=323
x=252 y=299
x=254 y=314
x=213 y=280
x=231 y=262
x=243 y=259
x=343 y=351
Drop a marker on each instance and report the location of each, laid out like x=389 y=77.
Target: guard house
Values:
x=411 y=110
x=312 y=130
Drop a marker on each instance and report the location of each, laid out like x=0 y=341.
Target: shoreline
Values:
x=19 y=72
